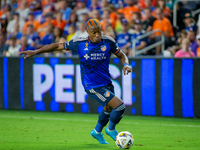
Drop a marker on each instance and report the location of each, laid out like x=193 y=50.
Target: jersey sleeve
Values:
x=114 y=47
x=71 y=45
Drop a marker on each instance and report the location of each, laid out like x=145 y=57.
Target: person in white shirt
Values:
x=24 y=10
x=13 y=49
x=81 y=9
x=10 y=27
x=81 y=32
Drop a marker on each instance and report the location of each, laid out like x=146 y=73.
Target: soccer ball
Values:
x=124 y=140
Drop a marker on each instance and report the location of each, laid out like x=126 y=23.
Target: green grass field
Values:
x=30 y=130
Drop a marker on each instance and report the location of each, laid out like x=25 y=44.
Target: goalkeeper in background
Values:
x=94 y=54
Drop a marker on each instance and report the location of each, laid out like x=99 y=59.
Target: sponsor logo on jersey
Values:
x=86 y=56
x=98 y=56
x=107 y=94
x=103 y=48
x=95 y=56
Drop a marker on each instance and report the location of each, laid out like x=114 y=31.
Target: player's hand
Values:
x=126 y=69
x=27 y=54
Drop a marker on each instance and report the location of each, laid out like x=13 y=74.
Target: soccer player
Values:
x=94 y=54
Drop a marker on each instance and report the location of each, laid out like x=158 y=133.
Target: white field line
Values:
x=122 y=122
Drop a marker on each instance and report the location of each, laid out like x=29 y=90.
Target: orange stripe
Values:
x=93 y=24
x=65 y=46
x=97 y=21
x=88 y=40
x=88 y=24
x=117 y=51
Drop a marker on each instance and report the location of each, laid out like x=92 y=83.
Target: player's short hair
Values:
x=92 y=22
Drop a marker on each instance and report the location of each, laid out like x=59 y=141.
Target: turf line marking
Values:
x=41 y=118
x=62 y=119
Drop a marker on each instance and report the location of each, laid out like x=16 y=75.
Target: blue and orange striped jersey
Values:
x=94 y=59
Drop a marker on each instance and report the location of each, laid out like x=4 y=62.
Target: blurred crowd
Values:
x=31 y=24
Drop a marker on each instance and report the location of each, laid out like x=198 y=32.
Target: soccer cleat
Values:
x=98 y=136
x=112 y=134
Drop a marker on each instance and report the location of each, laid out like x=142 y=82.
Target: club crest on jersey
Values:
x=103 y=48
x=107 y=94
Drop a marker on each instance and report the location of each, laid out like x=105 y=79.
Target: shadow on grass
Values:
x=93 y=147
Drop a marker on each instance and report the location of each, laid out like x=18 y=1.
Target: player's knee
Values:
x=115 y=102
x=121 y=108
x=107 y=108
x=117 y=113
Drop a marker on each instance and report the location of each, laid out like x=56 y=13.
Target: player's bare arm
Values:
x=44 y=49
x=124 y=60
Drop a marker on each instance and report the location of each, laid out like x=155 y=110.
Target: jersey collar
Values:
x=89 y=40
